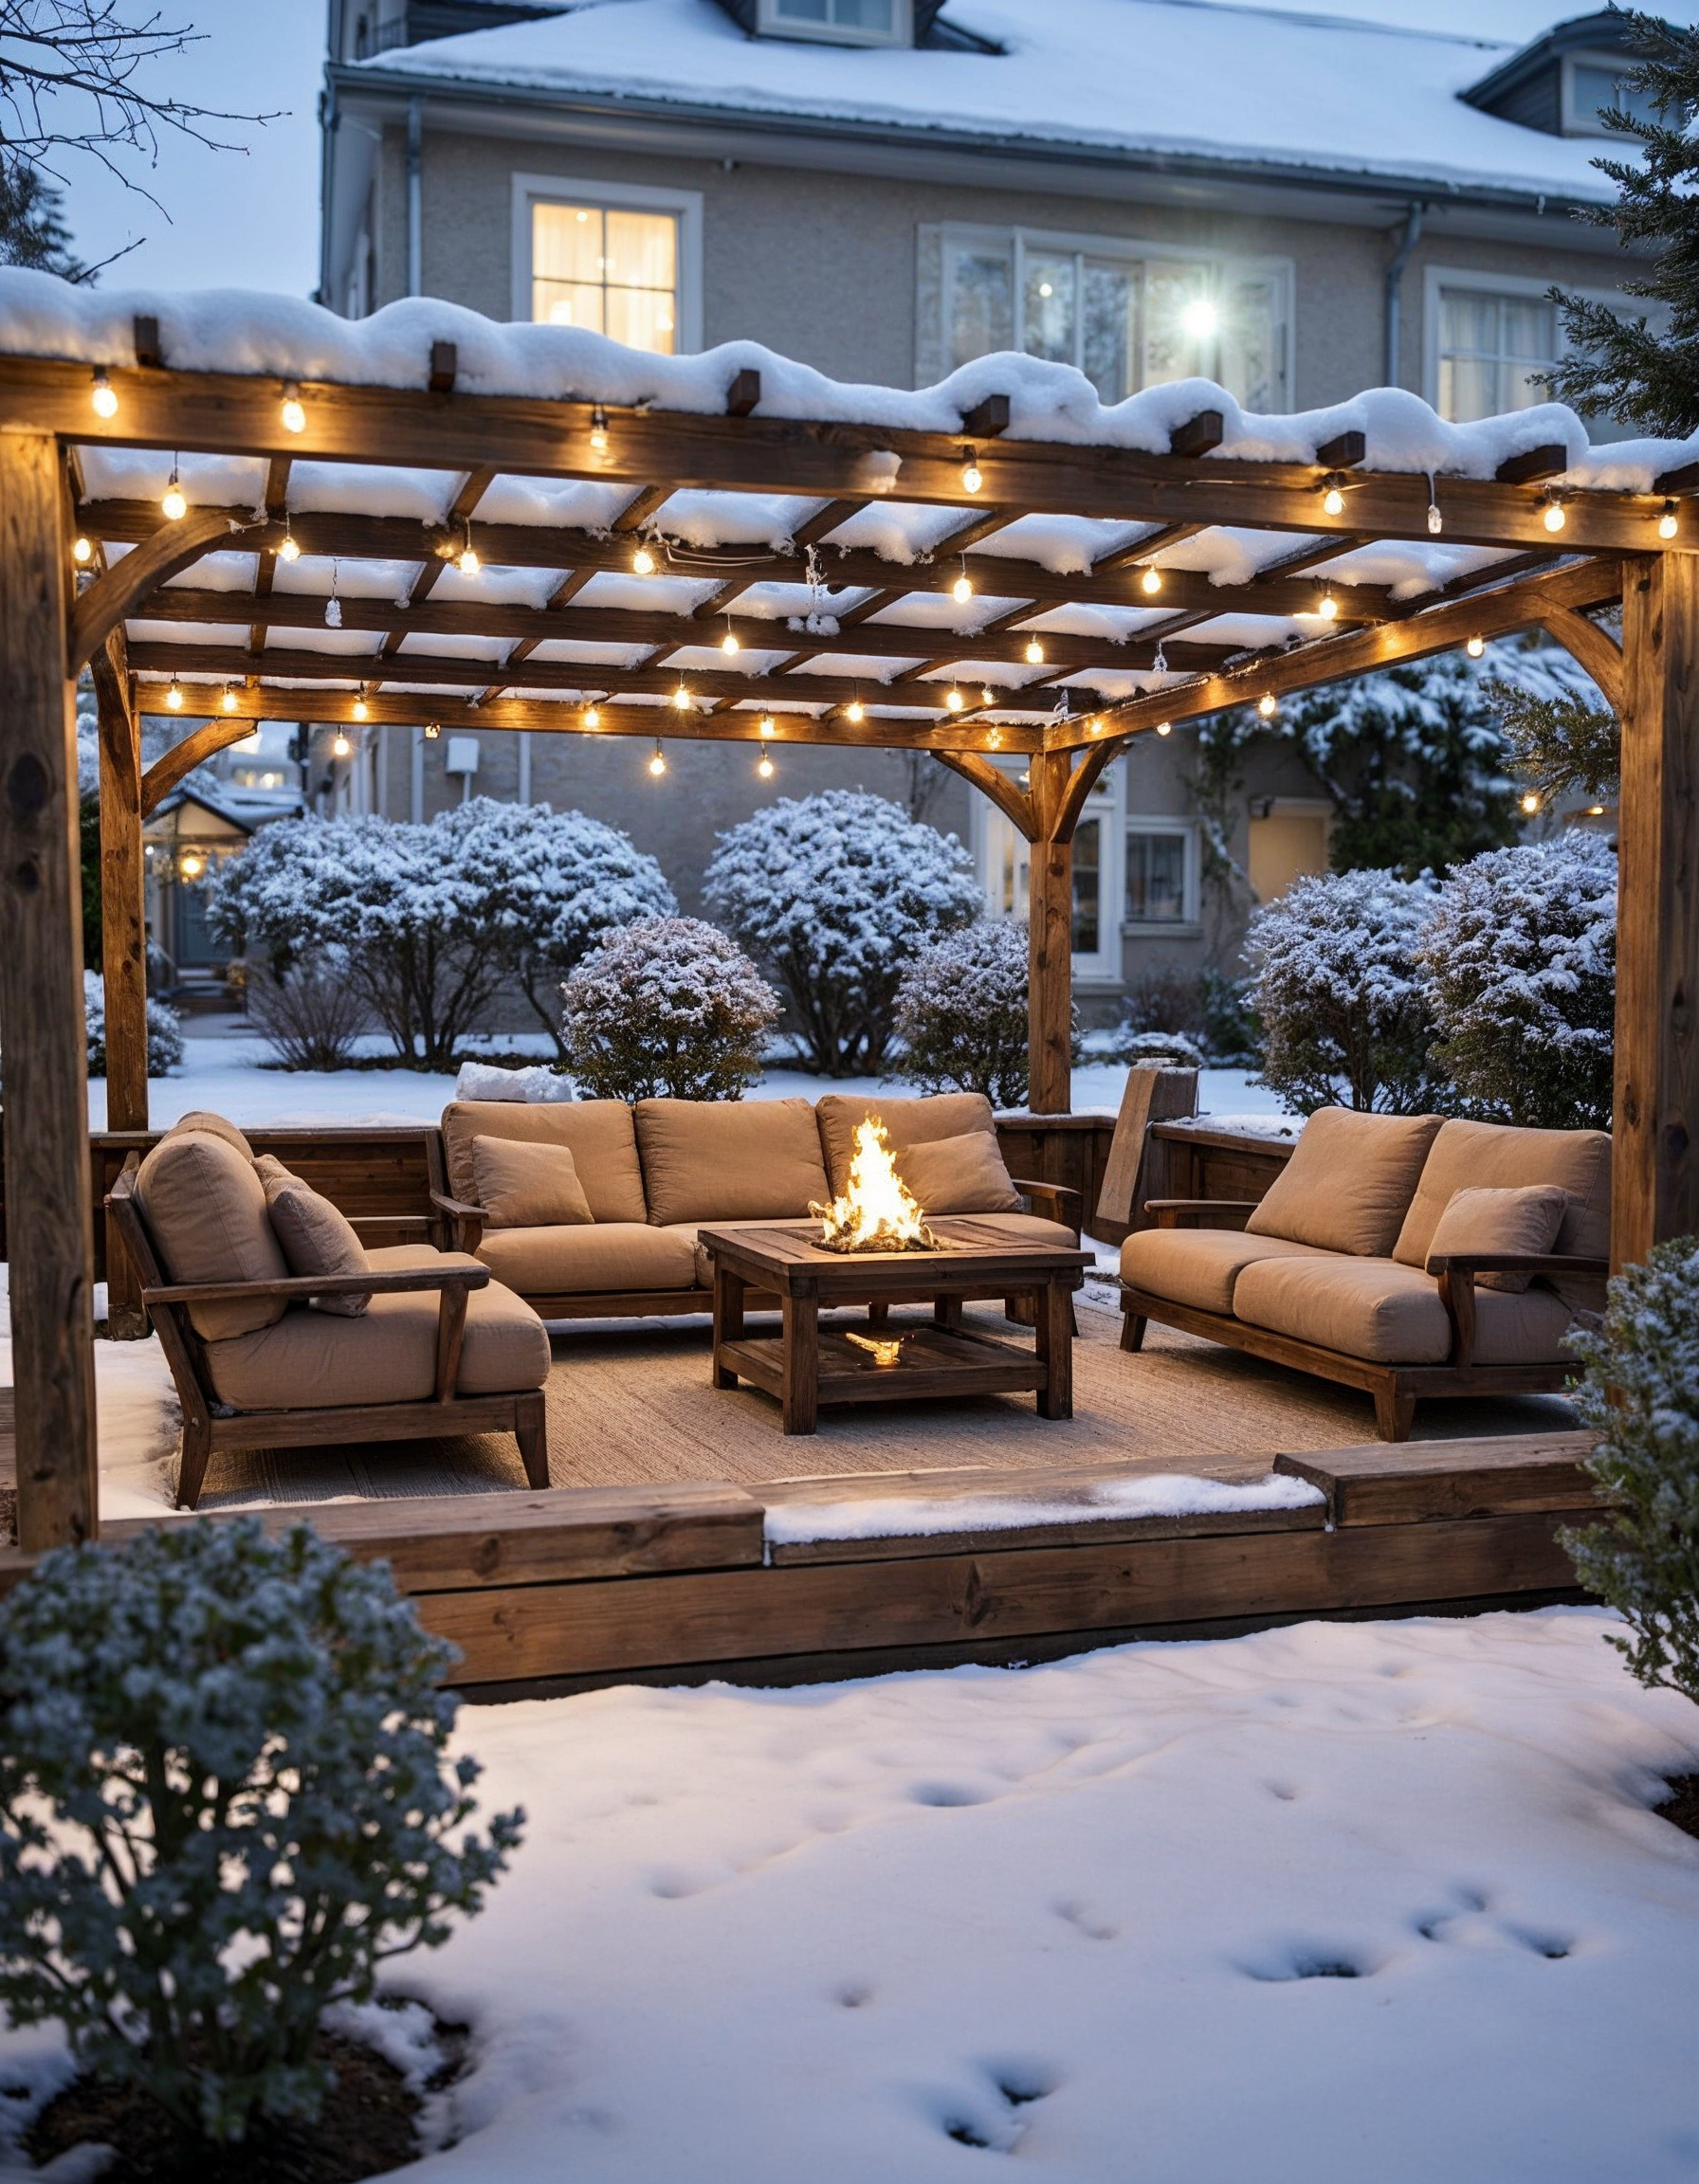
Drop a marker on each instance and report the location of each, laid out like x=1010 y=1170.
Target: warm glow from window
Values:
x=609 y=271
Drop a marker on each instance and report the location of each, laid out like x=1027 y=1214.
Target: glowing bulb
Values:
x=104 y=396
x=340 y=747
x=173 y=697
x=1327 y=606
x=173 y=504
x=1267 y=705
x=361 y=710
x=295 y=417
x=766 y=768
x=642 y=561
x=192 y=864
x=1595 y=810
x=657 y=765
x=681 y=699
x=466 y=561
x=1333 y=500
x=1436 y=520
x=954 y=699
x=432 y=730
x=972 y=477
x=229 y=700
x=729 y=644
x=1668 y=523
x=1555 y=518
x=855 y=711
x=1097 y=726
x=769 y=726
x=599 y=430
x=593 y=716
x=986 y=698
x=1152 y=581
x=1530 y=803
x=1164 y=727
x=962 y=590
x=81 y=550
x=1475 y=647
x=288 y=551
x=1034 y=654
x=1200 y=318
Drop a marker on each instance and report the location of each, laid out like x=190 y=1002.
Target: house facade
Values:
x=1296 y=206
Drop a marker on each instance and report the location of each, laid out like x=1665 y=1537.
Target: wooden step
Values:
x=1410 y=1482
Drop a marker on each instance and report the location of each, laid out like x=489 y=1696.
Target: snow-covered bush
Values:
x=310 y=1014
x=224 y=1799
x=1174 y=1047
x=1518 y=960
x=165 y=1031
x=835 y=895
x=961 y=1015
x=667 y=1008
x=1641 y=1397
x=1336 y=985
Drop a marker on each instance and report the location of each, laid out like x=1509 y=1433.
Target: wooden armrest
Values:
x=1473 y=1262
x=385 y=1223
x=457 y=1206
x=465 y=1224
x=1200 y=1213
x=1056 y=1191
x=291 y=1286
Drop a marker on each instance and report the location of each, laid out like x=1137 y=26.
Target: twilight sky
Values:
x=236 y=219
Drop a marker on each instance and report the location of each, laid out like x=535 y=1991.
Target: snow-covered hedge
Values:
x=165 y=1031
x=1519 y=959
x=961 y=1015
x=225 y=1798
x=1175 y=1046
x=1336 y=984
x=310 y=1014
x=667 y=1008
x=834 y=896
x=1641 y=1397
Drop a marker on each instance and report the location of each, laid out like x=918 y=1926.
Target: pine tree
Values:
x=31 y=229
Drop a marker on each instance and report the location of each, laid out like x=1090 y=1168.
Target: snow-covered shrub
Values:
x=1174 y=1047
x=961 y=1015
x=1335 y=983
x=1518 y=960
x=310 y=1014
x=224 y=1799
x=667 y=1008
x=1641 y=1397
x=835 y=895
x=165 y=1031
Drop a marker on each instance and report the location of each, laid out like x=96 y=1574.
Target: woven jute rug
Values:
x=631 y=1405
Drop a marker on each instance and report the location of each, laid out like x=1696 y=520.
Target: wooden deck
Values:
x=576 y=1588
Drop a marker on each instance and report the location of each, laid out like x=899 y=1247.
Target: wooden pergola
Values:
x=991 y=643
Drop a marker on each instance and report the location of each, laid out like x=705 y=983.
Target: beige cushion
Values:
x=961 y=1175
x=1390 y=1314
x=597 y=1133
x=206 y=1208
x=610 y=1255
x=210 y=1125
x=1198 y=1266
x=1492 y=1156
x=1515 y=1220
x=729 y=1159
x=525 y=1185
x=309 y=1362
x=316 y=1237
x=1348 y=1183
x=906 y=1123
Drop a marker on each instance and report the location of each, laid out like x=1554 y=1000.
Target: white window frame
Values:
x=684 y=204
x=1187 y=924
x=1435 y=278
x=771 y=24
x=1577 y=121
x=992 y=837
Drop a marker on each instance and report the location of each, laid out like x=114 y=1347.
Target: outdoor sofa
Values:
x=611 y=1232
x=1403 y=1255
x=282 y=1329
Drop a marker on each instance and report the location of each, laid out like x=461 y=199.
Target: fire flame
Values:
x=877 y=1213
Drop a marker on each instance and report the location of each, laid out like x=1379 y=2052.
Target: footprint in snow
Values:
x=1283 y=1961
x=1086 y=1921
x=993 y=2122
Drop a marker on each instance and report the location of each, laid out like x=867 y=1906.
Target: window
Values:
x=1491 y=344
x=1597 y=81
x=1004 y=860
x=613 y=258
x=848 y=22
x=1087 y=882
x=1158 y=876
x=1289 y=838
x=1126 y=316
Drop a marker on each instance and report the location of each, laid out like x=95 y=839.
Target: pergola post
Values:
x=123 y=945
x=1655 y=1167
x=1049 y=940
x=48 y=1225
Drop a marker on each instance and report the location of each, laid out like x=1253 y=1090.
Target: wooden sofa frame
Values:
x=210 y=1423
x=1397 y=1388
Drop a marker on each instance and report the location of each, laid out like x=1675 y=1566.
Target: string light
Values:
x=642 y=561
x=341 y=746
x=954 y=699
x=593 y=716
x=765 y=768
x=432 y=730
x=1327 y=606
x=1595 y=810
x=361 y=710
x=81 y=550
x=1164 y=727
x=986 y=698
x=1097 y=725
x=855 y=711
x=288 y=551
x=1035 y=653
x=1475 y=647
x=972 y=477
x=104 y=396
x=598 y=431
x=1555 y=518
x=192 y=864
x=962 y=590
x=1267 y=705
x=657 y=765
x=1530 y=803
x=295 y=417
x=173 y=504
x=173 y=697
x=728 y=644
x=466 y=560
x=681 y=699
x=1333 y=494
x=1668 y=523
x=229 y=700
x=1152 y=581
x=769 y=726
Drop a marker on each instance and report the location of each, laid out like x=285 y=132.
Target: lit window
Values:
x=1491 y=349
x=848 y=22
x=1156 y=876
x=606 y=269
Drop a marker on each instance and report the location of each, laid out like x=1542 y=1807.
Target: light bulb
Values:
x=962 y=590
x=81 y=550
x=1530 y=803
x=229 y=700
x=192 y=864
x=599 y=430
x=1164 y=727
x=1152 y=580
x=769 y=726
x=986 y=698
x=1327 y=606
x=972 y=477
x=288 y=551
x=681 y=699
x=295 y=417
x=173 y=504
x=593 y=716
x=173 y=697
x=361 y=710
x=1333 y=498
x=1267 y=705
x=432 y=730
x=766 y=768
x=1475 y=647
x=729 y=644
x=855 y=711
x=466 y=561
x=954 y=699
x=341 y=746
x=104 y=396
x=1034 y=654
x=1668 y=523
x=642 y=561
x=657 y=765
x=1555 y=518
x=1436 y=520
x=1097 y=726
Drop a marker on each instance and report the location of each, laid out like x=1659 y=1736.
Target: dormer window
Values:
x=841 y=22
x=1597 y=82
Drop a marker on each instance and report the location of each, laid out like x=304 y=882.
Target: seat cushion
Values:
x=597 y=1133
x=906 y=1123
x=964 y=1174
x=316 y=1236
x=1526 y=1219
x=603 y=1255
x=1493 y=1156
x=1198 y=1266
x=206 y=1210
x=213 y=1125
x=526 y=1184
x=1391 y=1315
x=310 y=1362
x=1349 y=1182
x=729 y=1159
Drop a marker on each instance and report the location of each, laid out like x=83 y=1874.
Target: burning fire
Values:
x=877 y=1213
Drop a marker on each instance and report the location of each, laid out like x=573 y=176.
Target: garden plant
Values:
x=961 y=1015
x=671 y=1008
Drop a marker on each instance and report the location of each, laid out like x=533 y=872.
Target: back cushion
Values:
x=1492 y=1156
x=206 y=1211
x=1349 y=1182
x=906 y=1123
x=210 y=1125
x=597 y=1134
x=961 y=1175
x=729 y=1159
x=1525 y=1218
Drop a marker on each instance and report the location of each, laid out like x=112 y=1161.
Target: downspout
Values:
x=1394 y=276
x=415 y=199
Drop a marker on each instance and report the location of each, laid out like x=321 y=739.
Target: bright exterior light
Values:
x=295 y=417
x=954 y=699
x=361 y=710
x=1152 y=581
x=657 y=765
x=769 y=726
x=81 y=550
x=1333 y=498
x=288 y=551
x=972 y=477
x=681 y=699
x=766 y=768
x=432 y=730
x=962 y=590
x=175 y=506
x=599 y=430
x=1668 y=523
x=1595 y=810
x=1200 y=318
x=1034 y=654
x=729 y=644
x=1267 y=705
x=1555 y=518
x=1164 y=727
x=173 y=697
x=104 y=396
x=1327 y=606
x=340 y=747
x=593 y=716
x=466 y=561
x=229 y=700
x=855 y=711
x=642 y=561
x=1475 y=647
x=1530 y=803
x=192 y=864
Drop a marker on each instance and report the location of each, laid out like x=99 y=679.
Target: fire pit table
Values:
x=805 y=1365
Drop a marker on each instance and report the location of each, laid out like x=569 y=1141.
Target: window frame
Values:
x=1577 y=121
x=993 y=836
x=684 y=204
x=771 y=24
x=1599 y=429
x=1148 y=823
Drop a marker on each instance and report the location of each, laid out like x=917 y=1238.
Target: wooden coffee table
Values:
x=805 y=1366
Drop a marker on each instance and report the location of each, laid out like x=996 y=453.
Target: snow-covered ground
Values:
x=1334 y=1903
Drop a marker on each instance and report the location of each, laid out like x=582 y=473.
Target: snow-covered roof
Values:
x=1361 y=88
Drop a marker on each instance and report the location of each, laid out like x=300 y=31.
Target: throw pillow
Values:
x=206 y=1211
x=526 y=1184
x=1348 y=1183
x=316 y=1236
x=1524 y=1219
x=961 y=1175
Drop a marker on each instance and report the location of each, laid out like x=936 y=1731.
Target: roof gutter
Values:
x=1395 y=301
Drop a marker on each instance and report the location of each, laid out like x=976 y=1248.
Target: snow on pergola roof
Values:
x=1115 y=567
